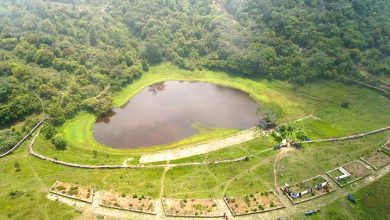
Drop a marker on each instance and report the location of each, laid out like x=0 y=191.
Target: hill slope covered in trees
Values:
x=70 y=55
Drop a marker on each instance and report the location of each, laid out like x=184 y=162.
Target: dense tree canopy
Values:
x=62 y=55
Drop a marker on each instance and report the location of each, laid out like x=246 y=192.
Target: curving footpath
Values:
x=24 y=138
x=114 y=166
x=84 y=166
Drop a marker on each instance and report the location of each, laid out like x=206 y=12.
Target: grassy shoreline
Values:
x=320 y=99
x=367 y=111
x=79 y=131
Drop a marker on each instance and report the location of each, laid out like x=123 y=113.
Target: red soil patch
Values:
x=253 y=203
x=378 y=159
x=73 y=191
x=191 y=207
x=125 y=202
x=357 y=169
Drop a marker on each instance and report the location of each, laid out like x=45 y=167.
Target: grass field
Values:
x=234 y=179
x=366 y=111
x=23 y=193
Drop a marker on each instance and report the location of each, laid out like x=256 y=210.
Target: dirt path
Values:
x=243 y=172
x=36 y=176
x=162 y=180
x=283 y=151
x=175 y=154
x=276 y=187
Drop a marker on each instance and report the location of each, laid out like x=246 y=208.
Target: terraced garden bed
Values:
x=357 y=170
x=254 y=203
x=386 y=147
x=73 y=191
x=142 y=204
x=307 y=190
x=191 y=208
x=377 y=159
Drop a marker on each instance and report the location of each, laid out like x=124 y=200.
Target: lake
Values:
x=166 y=112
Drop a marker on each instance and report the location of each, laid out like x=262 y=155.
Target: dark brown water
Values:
x=165 y=112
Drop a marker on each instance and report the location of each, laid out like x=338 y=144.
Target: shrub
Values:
x=60 y=188
x=17 y=166
x=272 y=204
x=49 y=131
x=15 y=194
x=345 y=104
x=59 y=142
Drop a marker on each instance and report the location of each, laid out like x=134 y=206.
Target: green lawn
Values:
x=366 y=111
x=234 y=179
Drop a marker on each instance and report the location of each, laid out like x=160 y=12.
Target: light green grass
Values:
x=79 y=135
x=367 y=111
x=212 y=181
x=79 y=131
x=262 y=91
x=234 y=179
x=36 y=177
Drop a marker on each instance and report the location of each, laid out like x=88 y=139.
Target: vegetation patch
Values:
x=73 y=191
x=377 y=159
x=191 y=207
x=307 y=189
x=349 y=173
x=254 y=203
x=135 y=203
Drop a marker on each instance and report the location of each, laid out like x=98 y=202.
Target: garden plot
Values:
x=349 y=173
x=133 y=203
x=377 y=159
x=191 y=208
x=72 y=191
x=254 y=203
x=386 y=147
x=307 y=190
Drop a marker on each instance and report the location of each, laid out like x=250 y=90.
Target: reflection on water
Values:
x=157 y=87
x=106 y=117
x=164 y=112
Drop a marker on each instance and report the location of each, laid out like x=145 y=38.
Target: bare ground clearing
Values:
x=175 y=154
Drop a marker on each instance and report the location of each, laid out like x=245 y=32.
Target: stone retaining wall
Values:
x=349 y=137
x=23 y=139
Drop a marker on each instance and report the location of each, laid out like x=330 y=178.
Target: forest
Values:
x=65 y=56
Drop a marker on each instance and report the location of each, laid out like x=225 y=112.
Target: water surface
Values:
x=165 y=112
